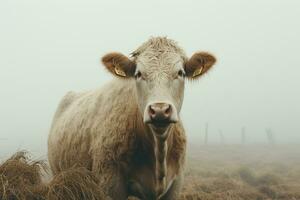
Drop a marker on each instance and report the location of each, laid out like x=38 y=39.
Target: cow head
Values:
x=159 y=68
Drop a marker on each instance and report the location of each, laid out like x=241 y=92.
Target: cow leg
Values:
x=117 y=190
x=113 y=186
x=111 y=181
x=174 y=191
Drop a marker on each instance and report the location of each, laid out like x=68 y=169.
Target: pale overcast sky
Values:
x=50 y=47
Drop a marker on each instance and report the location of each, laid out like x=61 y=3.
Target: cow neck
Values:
x=161 y=150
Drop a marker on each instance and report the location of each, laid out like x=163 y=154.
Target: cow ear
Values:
x=199 y=64
x=119 y=65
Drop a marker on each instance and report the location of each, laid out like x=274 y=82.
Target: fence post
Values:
x=270 y=136
x=221 y=137
x=206 y=134
x=243 y=136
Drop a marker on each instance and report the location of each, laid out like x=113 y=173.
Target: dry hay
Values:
x=21 y=179
x=77 y=183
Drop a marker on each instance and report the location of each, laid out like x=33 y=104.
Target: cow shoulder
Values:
x=65 y=102
x=114 y=126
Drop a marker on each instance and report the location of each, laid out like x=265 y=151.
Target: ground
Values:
x=243 y=172
x=213 y=172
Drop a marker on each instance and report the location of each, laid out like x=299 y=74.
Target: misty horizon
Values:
x=50 y=48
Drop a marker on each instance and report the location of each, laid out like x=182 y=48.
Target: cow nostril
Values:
x=168 y=110
x=151 y=111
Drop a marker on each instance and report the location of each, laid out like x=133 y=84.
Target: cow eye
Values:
x=138 y=75
x=180 y=73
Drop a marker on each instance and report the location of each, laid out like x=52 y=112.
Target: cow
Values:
x=129 y=131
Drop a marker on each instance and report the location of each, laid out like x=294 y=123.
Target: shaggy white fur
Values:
x=104 y=130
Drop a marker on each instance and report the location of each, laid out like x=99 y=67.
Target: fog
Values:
x=50 y=47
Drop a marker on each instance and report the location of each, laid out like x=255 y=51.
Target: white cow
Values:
x=129 y=131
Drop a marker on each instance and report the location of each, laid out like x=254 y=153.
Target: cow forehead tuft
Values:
x=156 y=48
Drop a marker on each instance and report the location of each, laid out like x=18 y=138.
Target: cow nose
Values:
x=160 y=112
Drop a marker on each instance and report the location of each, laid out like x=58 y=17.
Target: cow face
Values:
x=159 y=77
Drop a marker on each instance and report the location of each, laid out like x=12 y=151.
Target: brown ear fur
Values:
x=198 y=60
x=113 y=60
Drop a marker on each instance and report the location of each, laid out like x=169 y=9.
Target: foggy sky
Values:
x=50 y=47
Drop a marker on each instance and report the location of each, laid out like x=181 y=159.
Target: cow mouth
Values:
x=160 y=123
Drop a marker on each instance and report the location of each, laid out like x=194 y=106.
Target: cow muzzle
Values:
x=160 y=114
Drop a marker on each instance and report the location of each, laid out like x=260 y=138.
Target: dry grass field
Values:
x=243 y=172
x=233 y=172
